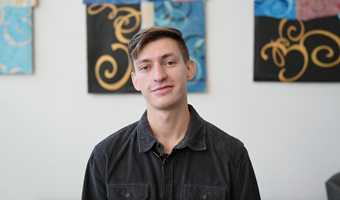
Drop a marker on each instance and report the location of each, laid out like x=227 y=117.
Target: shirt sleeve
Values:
x=94 y=182
x=244 y=184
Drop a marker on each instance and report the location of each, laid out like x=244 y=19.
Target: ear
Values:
x=191 y=67
x=134 y=81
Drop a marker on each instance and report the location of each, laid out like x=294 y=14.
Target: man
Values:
x=171 y=152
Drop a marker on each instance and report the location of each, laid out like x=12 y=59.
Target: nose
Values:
x=159 y=73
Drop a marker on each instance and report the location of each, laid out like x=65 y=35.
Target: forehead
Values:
x=158 y=47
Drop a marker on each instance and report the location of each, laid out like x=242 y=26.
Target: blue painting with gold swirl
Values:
x=18 y=3
x=189 y=18
x=16 y=50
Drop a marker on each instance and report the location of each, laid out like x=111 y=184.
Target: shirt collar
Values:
x=194 y=137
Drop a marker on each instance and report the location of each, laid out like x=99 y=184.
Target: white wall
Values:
x=49 y=123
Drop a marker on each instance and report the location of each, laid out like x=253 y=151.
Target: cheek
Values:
x=142 y=83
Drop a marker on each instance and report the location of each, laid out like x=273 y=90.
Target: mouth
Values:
x=163 y=89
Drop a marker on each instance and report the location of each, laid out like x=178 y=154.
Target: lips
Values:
x=163 y=89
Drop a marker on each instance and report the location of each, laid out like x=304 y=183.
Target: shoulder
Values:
x=224 y=144
x=218 y=135
x=213 y=133
x=226 y=147
x=116 y=140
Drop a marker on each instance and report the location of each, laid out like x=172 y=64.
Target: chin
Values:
x=166 y=105
x=162 y=105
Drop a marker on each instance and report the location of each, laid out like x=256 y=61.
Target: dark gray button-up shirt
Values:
x=206 y=164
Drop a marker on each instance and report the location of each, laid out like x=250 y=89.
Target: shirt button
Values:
x=127 y=195
x=167 y=161
x=166 y=195
x=204 y=196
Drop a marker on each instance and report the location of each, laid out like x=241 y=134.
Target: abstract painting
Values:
x=182 y=15
x=117 y=2
x=16 y=34
x=112 y=23
x=109 y=29
x=297 y=40
x=18 y=3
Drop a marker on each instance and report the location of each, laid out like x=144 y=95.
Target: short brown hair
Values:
x=152 y=34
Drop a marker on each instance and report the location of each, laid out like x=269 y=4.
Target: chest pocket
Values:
x=128 y=191
x=196 y=192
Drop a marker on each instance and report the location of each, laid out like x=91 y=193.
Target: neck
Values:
x=169 y=126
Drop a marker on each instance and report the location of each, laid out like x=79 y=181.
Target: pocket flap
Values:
x=128 y=191
x=196 y=192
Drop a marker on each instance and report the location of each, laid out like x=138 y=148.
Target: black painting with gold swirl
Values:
x=295 y=50
x=109 y=29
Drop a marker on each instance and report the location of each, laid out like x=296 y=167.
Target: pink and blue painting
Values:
x=186 y=16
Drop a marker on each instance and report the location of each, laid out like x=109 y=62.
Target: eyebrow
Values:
x=167 y=55
x=162 y=58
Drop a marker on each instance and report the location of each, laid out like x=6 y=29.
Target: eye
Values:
x=170 y=63
x=144 y=68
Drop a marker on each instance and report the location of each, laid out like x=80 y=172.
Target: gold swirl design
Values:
x=110 y=75
x=118 y=24
x=18 y=3
x=282 y=46
x=8 y=37
x=3 y=70
x=2 y=17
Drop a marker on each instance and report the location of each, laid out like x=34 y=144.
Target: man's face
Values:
x=161 y=74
